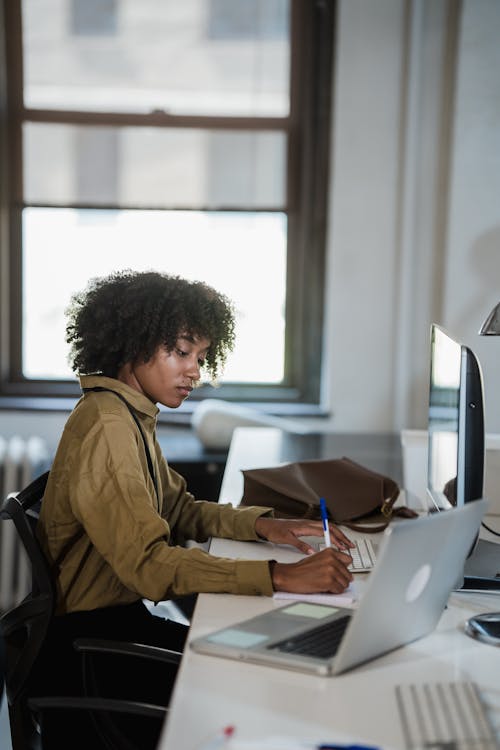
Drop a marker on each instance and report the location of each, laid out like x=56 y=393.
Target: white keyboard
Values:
x=444 y=716
x=364 y=555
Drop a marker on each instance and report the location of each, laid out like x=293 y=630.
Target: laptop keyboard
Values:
x=322 y=641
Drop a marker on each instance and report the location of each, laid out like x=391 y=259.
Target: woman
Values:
x=114 y=516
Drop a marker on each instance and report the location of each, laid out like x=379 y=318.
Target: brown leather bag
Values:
x=356 y=496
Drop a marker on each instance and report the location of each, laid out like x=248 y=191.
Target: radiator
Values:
x=21 y=460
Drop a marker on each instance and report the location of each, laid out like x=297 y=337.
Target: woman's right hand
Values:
x=323 y=572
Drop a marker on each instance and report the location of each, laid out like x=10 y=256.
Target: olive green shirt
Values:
x=111 y=539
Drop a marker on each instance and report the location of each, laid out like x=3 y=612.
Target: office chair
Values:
x=24 y=629
x=2 y=668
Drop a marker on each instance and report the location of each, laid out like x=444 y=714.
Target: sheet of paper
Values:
x=284 y=743
x=273 y=743
x=291 y=743
x=349 y=598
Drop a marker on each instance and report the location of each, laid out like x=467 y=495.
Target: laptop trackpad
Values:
x=273 y=624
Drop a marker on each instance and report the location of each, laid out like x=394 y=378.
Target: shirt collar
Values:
x=137 y=400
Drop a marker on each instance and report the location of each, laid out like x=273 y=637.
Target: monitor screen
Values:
x=455 y=423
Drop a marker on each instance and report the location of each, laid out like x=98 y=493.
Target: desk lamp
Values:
x=491 y=325
x=486 y=627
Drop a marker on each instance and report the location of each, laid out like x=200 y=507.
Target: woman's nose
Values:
x=193 y=369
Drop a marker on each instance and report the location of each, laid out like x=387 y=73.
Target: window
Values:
x=187 y=137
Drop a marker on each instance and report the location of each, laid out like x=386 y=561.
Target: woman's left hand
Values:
x=285 y=531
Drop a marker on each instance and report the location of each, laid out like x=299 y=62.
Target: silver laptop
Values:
x=407 y=592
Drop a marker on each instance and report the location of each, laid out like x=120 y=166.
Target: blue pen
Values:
x=324 y=518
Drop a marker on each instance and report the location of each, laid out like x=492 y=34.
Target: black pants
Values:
x=58 y=670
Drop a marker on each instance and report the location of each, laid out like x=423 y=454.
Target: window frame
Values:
x=308 y=125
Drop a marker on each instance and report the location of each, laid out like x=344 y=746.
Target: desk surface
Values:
x=360 y=705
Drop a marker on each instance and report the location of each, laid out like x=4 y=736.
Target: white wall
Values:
x=415 y=203
x=362 y=273
x=472 y=284
x=414 y=233
x=26 y=423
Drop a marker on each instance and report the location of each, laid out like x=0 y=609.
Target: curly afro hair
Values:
x=124 y=317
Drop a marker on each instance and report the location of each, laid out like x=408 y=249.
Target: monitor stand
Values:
x=482 y=568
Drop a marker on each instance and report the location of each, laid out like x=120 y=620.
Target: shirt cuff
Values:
x=254 y=577
x=244 y=522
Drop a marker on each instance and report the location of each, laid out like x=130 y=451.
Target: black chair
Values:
x=24 y=629
x=2 y=668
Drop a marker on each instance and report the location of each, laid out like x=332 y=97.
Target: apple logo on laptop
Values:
x=418 y=583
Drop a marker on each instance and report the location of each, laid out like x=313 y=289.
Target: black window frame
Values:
x=308 y=125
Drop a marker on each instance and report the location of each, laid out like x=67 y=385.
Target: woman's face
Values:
x=168 y=377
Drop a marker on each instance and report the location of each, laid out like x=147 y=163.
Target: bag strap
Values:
x=152 y=474
x=388 y=511
x=56 y=565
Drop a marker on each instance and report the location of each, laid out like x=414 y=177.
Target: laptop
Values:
x=482 y=569
x=403 y=601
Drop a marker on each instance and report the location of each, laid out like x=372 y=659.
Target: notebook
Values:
x=403 y=601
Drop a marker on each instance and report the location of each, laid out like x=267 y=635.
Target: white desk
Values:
x=360 y=705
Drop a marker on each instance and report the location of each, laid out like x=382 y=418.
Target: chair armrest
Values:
x=93 y=649
x=28 y=610
x=98 y=704
x=97 y=645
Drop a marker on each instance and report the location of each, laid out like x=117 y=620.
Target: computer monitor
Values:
x=455 y=423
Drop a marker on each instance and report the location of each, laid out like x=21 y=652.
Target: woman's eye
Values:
x=182 y=353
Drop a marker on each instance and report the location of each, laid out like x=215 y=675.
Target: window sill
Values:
x=182 y=415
